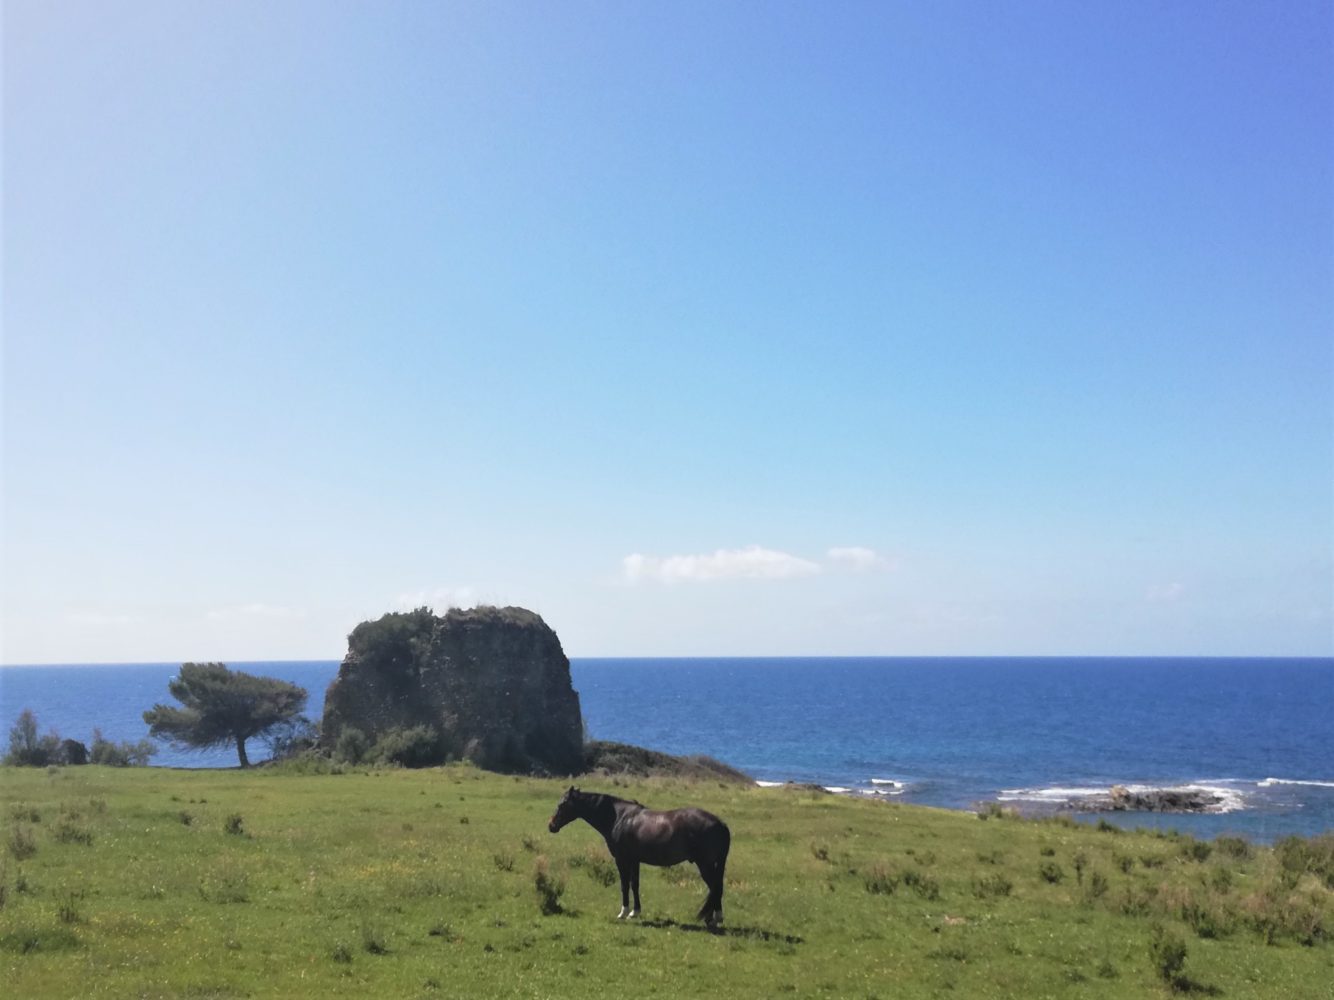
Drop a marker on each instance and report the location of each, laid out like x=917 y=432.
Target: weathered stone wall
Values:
x=494 y=682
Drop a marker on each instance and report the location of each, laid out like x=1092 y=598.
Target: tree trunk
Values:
x=240 y=751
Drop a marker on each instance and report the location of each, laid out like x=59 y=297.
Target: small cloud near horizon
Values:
x=858 y=558
x=751 y=563
x=1164 y=593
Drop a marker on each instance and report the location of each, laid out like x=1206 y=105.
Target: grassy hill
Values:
x=160 y=883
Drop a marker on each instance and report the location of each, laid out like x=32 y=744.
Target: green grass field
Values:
x=154 y=883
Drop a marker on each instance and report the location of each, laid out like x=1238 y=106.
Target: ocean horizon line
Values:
x=757 y=657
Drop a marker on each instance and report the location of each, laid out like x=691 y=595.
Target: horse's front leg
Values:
x=624 y=867
x=634 y=886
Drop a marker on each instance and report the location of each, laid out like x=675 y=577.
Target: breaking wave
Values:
x=1270 y=782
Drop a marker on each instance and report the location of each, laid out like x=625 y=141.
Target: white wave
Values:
x=879 y=793
x=1270 y=782
x=1053 y=794
x=771 y=784
x=837 y=789
x=888 y=781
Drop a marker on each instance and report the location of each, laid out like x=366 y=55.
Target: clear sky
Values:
x=699 y=328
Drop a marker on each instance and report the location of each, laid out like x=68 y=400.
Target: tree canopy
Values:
x=223 y=707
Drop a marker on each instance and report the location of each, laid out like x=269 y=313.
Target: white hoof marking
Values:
x=633 y=914
x=621 y=915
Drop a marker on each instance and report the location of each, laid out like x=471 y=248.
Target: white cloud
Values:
x=441 y=598
x=857 y=558
x=253 y=610
x=1164 y=593
x=750 y=563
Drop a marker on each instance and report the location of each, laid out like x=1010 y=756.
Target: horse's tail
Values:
x=721 y=843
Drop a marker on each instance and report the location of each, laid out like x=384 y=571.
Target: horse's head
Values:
x=566 y=810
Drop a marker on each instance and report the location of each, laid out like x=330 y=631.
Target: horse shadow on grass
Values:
x=748 y=933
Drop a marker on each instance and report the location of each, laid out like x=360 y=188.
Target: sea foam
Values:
x=1270 y=782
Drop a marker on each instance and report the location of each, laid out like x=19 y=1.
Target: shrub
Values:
x=504 y=861
x=235 y=825
x=291 y=738
x=921 y=883
x=418 y=746
x=1302 y=856
x=373 y=940
x=1209 y=919
x=22 y=844
x=69 y=832
x=992 y=886
x=601 y=869
x=1167 y=955
x=68 y=911
x=881 y=881
x=123 y=754
x=26 y=748
x=549 y=888
x=352 y=746
x=1196 y=850
x=1097 y=886
x=1234 y=847
x=1051 y=872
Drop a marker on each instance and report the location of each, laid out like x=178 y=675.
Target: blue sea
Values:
x=1034 y=733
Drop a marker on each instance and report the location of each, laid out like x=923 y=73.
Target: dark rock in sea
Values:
x=622 y=759
x=1172 y=800
x=490 y=685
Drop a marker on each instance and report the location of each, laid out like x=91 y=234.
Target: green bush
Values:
x=418 y=746
x=1051 y=872
x=26 y=748
x=992 y=886
x=1234 y=847
x=1196 y=850
x=123 y=754
x=1167 y=954
x=1302 y=856
x=549 y=887
x=881 y=881
x=352 y=746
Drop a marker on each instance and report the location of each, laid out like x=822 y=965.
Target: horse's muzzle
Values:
x=551 y=825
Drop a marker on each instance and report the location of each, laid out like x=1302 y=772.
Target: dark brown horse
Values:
x=637 y=834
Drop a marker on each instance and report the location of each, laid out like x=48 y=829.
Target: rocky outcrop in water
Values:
x=490 y=685
x=1173 y=800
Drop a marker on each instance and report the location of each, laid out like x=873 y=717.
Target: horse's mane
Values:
x=612 y=798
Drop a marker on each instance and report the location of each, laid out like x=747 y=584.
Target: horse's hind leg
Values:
x=712 y=910
x=719 y=870
x=634 y=887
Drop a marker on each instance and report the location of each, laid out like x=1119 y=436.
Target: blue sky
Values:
x=699 y=328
